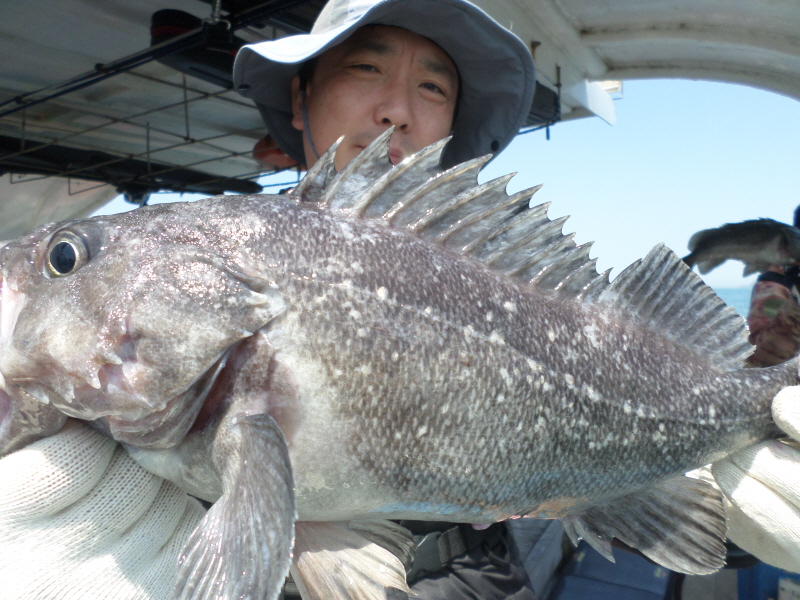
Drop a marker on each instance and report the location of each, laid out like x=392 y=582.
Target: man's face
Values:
x=379 y=77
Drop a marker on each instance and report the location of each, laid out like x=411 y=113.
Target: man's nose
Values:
x=395 y=107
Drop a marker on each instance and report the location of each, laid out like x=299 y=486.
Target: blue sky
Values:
x=683 y=156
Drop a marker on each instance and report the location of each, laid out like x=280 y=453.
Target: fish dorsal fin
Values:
x=359 y=174
x=451 y=208
x=319 y=177
x=666 y=296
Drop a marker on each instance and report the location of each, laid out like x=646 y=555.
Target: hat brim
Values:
x=495 y=68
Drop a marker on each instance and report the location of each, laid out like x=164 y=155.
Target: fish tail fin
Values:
x=371 y=555
x=243 y=546
x=678 y=523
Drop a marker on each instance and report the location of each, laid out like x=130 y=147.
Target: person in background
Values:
x=774 y=316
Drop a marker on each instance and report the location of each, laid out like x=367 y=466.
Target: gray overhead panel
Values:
x=105 y=92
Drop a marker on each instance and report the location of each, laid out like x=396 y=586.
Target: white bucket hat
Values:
x=495 y=69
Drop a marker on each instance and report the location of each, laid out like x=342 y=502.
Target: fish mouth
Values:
x=110 y=404
x=11 y=303
x=166 y=428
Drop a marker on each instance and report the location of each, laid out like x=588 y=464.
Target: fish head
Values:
x=126 y=320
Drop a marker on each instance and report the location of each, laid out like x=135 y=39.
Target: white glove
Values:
x=762 y=484
x=80 y=519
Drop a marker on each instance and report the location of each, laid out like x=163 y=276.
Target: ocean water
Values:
x=738 y=298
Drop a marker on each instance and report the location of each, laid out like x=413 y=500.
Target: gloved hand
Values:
x=762 y=486
x=80 y=519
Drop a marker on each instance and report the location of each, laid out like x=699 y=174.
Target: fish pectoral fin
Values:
x=359 y=560
x=679 y=524
x=243 y=547
x=24 y=419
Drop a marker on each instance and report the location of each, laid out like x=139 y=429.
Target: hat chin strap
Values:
x=306 y=128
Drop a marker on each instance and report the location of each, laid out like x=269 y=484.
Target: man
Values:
x=367 y=66
x=488 y=97
x=79 y=518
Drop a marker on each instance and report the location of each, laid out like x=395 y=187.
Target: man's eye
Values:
x=365 y=67
x=433 y=88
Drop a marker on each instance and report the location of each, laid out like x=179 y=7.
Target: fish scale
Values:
x=383 y=343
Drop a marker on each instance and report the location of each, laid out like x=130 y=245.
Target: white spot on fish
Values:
x=712 y=412
x=534 y=366
x=365 y=369
x=591 y=335
x=551 y=335
x=510 y=307
x=383 y=293
x=489 y=316
x=355 y=314
x=496 y=338
x=569 y=379
x=422 y=431
x=361 y=332
x=395 y=356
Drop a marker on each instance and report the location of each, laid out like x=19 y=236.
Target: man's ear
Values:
x=297 y=104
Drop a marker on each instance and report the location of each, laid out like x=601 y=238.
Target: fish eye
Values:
x=63 y=257
x=66 y=253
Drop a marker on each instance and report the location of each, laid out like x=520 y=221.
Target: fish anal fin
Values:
x=678 y=523
x=350 y=561
x=243 y=546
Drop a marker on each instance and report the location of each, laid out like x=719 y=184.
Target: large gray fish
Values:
x=759 y=244
x=386 y=342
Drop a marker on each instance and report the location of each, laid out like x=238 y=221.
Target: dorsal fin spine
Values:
x=458 y=201
x=313 y=186
x=431 y=154
x=519 y=230
x=464 y=170
x=539 y=232
x=478 y=216
x=543 y=258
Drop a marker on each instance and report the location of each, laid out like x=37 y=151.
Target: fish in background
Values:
x=758 y=243
x=382 y=343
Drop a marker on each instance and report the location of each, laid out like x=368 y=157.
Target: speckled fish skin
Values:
x=406 y=380
x=429 y=385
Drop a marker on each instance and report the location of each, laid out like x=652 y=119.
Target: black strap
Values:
x=437 y=548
